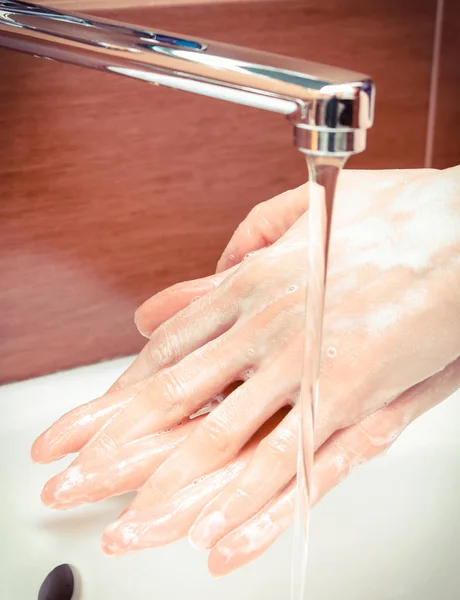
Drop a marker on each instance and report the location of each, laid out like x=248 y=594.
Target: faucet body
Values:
x=330 y=108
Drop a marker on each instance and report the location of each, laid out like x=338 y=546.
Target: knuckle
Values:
x=105 y=443
x=170 y=392
x=378 y=439
x=281 y=448
x=236 y=289
x=155 y=491
x=257 y=222
x=164 y=347
x=216 y=433
x=327 y=422
x=139 y=316
x=256 y=211
x=249 y=275
x=122 y=382
x=347 y=455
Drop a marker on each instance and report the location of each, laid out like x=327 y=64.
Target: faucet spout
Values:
x=330 y=108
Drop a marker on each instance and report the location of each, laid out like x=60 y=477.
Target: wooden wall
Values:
x=111 y=190
x=98 y=5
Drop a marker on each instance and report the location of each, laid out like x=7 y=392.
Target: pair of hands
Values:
x=226 y=350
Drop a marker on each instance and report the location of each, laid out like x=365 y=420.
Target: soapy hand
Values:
x=392 y=321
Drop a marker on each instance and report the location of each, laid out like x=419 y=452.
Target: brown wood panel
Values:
x=447 y=132
x=111 y=190
x=80 y=5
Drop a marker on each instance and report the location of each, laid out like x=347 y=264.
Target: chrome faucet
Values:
x=330 y=108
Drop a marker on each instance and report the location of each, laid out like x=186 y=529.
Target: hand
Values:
x=351 y=329
x=336 y=459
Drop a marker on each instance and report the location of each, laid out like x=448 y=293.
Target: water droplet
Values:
x=340 y=460
x=332 y=352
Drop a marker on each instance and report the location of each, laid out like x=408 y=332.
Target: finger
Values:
x=168 y=398
x=164 y=305
x=270 y=470
x=126 y=470
x=183 y=509
x=178 y=391
x=164 y=525
x=213 y=444
x=371 y=436
x=250 y=540
x=335 y=459
x=174 y=394
x=265 y=224
x=93 y=468
x=191 y=328
x=74 y=429
x=219 y=437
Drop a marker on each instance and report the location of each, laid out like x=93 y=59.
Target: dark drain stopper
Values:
x=58 y=585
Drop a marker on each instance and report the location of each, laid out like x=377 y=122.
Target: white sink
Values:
x=391 y=531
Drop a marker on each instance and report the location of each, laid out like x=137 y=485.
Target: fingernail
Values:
x=36 y=451
x=223 y=560
x=48 y=496
x=120 y=537
x=110 y=542
x=63 y=486
x=204 y=532
x=225 y=552
x=133 y=531
x=140 y=329
x=43 y=449
x=46 y=492
x=144 y=333
x=63 y=505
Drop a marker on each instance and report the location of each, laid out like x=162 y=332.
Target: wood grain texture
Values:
x=447 y=132
x=80 y=5
x=111 y=190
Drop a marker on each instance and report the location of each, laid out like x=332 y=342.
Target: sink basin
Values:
x=390 y=531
